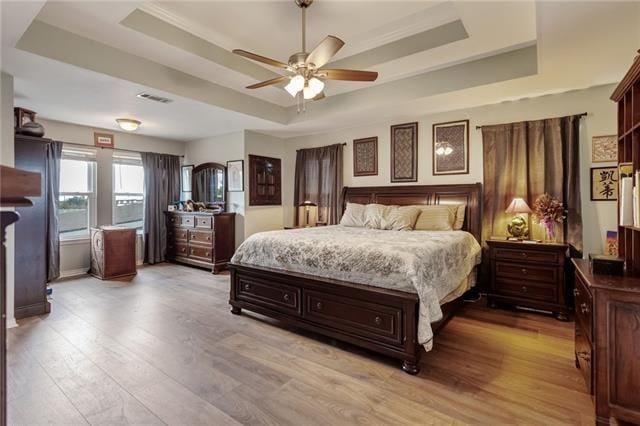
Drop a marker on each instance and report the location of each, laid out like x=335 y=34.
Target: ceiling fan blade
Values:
x=324 y=51
x=260 y=58
x=350 y=75
x=268 y=82
x=319 y=96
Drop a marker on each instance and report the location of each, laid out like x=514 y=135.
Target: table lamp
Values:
x=307 y=211
x=518 y=227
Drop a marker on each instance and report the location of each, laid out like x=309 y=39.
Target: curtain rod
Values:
x=102 y=147
x=488 y=125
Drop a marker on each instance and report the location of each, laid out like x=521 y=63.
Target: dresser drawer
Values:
x=527 y=272
x=200 y=252
x=543 y=292
x=204 y=237
x=205 y=222
x=177 y=234
x=173 y=220
x=584 y=356
x=175 y=248
x=529 y=255
x=280 y=297
x=584 y=307
x=364 y=319
x=187 y=221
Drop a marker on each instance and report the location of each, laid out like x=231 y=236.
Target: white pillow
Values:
x=401 y=218
x=353 y=215
x=436 y=218
x=374 y=215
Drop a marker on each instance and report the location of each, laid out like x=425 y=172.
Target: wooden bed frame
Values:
x=379 y=319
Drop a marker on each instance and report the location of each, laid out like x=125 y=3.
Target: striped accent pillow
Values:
x=436 y=218
x=353 y=215
x=401 y=218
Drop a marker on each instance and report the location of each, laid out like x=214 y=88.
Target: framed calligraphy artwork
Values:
x=604 y=183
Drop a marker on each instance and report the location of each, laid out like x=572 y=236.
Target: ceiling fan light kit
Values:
x=306 y=76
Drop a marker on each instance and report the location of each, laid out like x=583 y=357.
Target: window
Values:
x=77 y=198
x=128 y=190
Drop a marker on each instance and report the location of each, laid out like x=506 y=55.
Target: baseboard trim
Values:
x=73 y=272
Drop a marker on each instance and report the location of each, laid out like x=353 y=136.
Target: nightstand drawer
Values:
x=528 y=255
x=584 y=307
x=527 y=272
x=526 y=289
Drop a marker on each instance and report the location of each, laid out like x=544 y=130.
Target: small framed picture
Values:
x=103 y=140
x=604 y=149
x=612 y=243
x=604 y=183
x=235 y=176
x=451 y=148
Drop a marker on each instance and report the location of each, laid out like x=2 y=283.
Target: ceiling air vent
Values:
x=155 y=98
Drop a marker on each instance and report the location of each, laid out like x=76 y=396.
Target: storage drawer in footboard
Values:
x=274 y=296
x=360 y=318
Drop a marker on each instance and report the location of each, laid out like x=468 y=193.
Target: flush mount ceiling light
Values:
x=128 y=124
x=306 y=79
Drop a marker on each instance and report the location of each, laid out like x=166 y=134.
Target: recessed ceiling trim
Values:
x=154 y=27
x=61 y=45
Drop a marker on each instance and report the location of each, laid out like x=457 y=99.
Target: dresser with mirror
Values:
x=206 y=238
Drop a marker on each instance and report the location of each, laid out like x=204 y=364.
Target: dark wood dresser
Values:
x=607 y=342
x=529 y=275
x=200 y=239
x=113 y=252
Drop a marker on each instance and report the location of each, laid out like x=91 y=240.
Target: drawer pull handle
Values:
x=524 y=254
x=206 y=253
x=286 y=297
x=319 y=306
x=524 y=271
x=524 y=289
x=208 y=238
x=377 y=320
x=247 y=287
x=183 y=249
x=584 y=308
x=576 y=292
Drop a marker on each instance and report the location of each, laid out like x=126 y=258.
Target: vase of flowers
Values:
x=548 y=212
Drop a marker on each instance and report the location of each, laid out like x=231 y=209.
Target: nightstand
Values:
x=530 y=275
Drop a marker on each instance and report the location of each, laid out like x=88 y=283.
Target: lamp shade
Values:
x=518 y=205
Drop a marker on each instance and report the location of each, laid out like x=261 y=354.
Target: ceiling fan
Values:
x=306 y=79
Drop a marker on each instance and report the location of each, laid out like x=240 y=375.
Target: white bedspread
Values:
x=429 y=263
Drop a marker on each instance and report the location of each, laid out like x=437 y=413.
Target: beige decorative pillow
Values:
x=353 y=215
x=401 y=218
x=374 y=215
x=457 y=225
x=436 y=218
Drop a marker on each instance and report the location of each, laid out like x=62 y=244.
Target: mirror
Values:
x=209 y=184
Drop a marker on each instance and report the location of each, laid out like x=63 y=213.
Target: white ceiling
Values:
x=183 y=50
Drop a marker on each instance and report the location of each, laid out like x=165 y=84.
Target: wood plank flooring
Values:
x=163 y=348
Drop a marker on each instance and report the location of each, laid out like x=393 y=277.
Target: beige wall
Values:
x=598 y=217
x=75 y=254
x=220 y=149
x=7 y=159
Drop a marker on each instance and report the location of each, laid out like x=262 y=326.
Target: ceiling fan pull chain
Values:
x=304 y=29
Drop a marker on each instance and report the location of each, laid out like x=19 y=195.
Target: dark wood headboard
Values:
x=469 y=194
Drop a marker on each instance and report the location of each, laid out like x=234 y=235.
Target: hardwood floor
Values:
x=163 y=348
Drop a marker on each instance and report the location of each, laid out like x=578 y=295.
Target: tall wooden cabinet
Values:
x=608 y=307
x=31 y=233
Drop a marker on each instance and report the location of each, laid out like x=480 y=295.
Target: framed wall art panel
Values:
x=451 y=148
x=404 y=152
x=265 y=187
x=604 y=149
x=365 y=156
x=604 y=183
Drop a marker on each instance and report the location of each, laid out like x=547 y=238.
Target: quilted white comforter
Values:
x=429 y=263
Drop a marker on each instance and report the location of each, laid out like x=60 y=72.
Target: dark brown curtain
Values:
x=161 y=188
x=527 y=159
x=54 y=155
x=319 y=179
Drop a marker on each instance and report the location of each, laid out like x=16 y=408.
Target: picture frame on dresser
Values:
x=235 y=176
x=404 y=152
